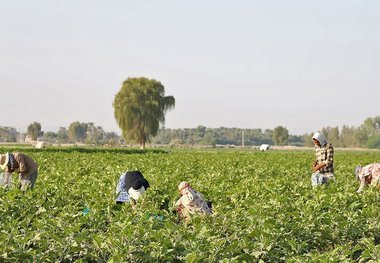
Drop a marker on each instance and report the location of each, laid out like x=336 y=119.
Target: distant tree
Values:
x=307 y=139
x=139 y=108
x=94 y=134
x=368 y=130
x=208 y=139
x=111 y=138
x=347 y=137
x=371 y=126
x=332 y=135
x=296 y=140
x=267 y=136
x=280 y=135
x=62 y=136
x=8 y=134
x=374 y=142
x=164 y=136
x=201 y=131
x=361 y=136
x=34 y=130
x=77 y=131
x=50 y=136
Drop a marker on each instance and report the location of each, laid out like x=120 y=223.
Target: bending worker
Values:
x=21 y=164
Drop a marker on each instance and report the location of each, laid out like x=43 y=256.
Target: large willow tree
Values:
x=140 y=107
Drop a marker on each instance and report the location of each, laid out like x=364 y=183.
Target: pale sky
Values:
x=247 y=64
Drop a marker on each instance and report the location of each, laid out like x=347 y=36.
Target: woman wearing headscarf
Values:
x=132 y=184
x=368 y=175
x=21 y=164
x=191 y=202
x=323 y=167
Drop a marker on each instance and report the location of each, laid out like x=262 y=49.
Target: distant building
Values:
x=40 y=144
x=27 y=139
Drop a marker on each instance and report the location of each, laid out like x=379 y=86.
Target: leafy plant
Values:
x=264 y=209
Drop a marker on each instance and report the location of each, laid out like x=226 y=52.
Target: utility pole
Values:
x=242 y=138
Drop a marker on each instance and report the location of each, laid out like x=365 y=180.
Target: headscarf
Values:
x=7 y=159
x=139 y=186
x=183 y=185
x=135 y=194
x=319 y=137
x=357 y=171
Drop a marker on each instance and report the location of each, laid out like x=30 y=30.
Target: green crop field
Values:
x=264 y=209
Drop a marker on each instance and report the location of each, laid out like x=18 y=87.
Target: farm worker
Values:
x=132 y=184
x=323 y=167
x=22 y=164
x=368 y=175
x=191 y=202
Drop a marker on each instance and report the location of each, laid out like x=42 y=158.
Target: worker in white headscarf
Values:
x=323 y=167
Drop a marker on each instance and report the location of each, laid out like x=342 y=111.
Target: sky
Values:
x=301 y=64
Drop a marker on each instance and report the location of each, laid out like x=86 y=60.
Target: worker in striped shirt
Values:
x=323 y=167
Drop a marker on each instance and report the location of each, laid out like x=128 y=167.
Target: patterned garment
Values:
x=121 y=190
x=369 y=174
x=325 y=154
x=192 y=202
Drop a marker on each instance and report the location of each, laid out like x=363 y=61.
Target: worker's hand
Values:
x=133 y=203
x=10 y=170
x=315 y=167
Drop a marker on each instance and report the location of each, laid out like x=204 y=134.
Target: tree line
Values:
x=76 y=132
x=367 y=135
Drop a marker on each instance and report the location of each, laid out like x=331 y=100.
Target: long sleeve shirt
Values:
x=25 y=165
x=325 y=154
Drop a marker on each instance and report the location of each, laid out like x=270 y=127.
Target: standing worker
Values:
x=323 y=167
x=23 y=165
